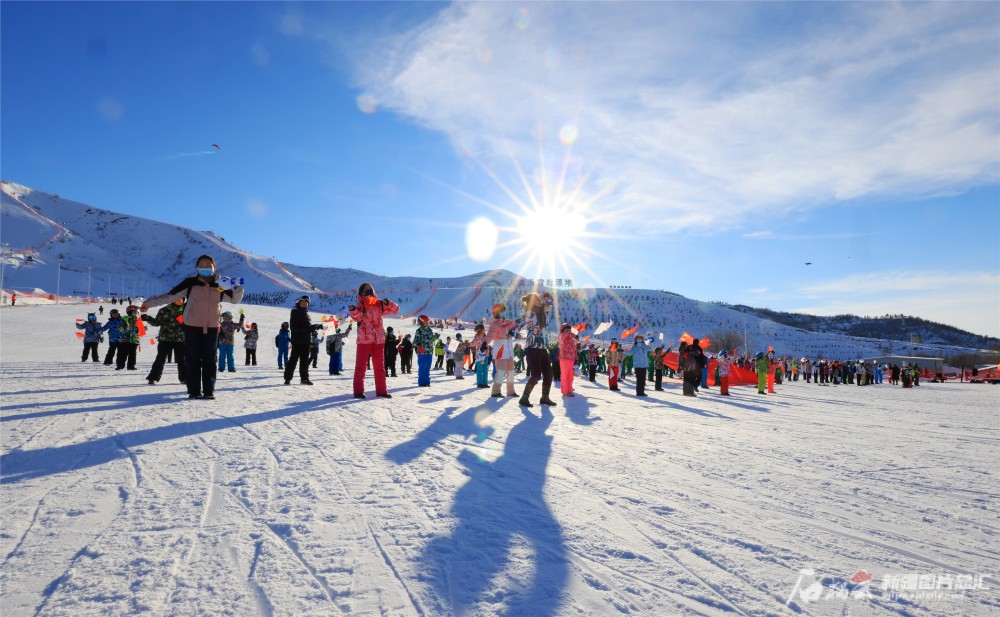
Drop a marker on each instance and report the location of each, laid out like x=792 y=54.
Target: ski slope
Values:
x=121 y=498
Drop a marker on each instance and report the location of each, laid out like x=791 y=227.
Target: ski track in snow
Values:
x=124 y=498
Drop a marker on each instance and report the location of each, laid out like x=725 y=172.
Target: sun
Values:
x=551 y=233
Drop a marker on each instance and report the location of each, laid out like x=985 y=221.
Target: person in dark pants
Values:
x=130 y=339
x=301 y=329
x=91 y=337
x=689 y=367
x=406 y=355
x=114 y=328
x=314 y=341
x=640 y=361
x=170 y=340
x=536 y=350
x=202 y=316
x=390 y=352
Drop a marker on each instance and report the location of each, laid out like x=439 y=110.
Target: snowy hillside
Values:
x=138 y=257
x=121 y=498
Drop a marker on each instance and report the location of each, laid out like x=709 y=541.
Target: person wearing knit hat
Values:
x=567 y=358
x=368 y=313
x=499 y=335
x=640 y=361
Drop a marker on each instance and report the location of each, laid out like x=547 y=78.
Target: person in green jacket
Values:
x=170 y=339
x=438 y=354
x=130 y=339
x=762 y=364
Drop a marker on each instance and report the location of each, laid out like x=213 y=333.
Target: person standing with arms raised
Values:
x=302 y=329
x=202 y=316
x=368 y=313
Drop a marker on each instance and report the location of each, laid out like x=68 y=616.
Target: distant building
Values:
x=934 y=365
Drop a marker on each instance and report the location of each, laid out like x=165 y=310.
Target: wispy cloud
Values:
x=695 y=116
x=771 y=235
x=970 y=298
x=890 y=282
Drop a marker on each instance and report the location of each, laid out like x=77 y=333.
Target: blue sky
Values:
x=708 y=149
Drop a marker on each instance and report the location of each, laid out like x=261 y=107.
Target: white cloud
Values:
x=697 y=116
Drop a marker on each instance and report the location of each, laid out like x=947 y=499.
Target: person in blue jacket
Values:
x=640 y=362
x=91 y=336
x=116 y=335
x=282 y=340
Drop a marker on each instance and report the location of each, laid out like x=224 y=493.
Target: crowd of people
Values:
x=200 y=338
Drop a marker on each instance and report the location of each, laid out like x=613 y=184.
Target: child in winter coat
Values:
x=170 y=340
x=115 y=329
x=91 y=336
x=459 y=350
x=438 y=354
x=335 y=349
x=227 y=340
x=390 y=352
x=725 y=364
x=614 y=359
x=657 y=367
x=483 y=365
x=368 y=313
x=317 y=338
x=250 y=344
x=500 y=335
x=129 y=344
x=592 y=360
x=424 y=342
x=282 y=340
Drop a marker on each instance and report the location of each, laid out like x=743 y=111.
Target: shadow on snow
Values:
x=21 y=465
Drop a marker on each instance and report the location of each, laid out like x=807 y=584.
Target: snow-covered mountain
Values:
x=134 y=256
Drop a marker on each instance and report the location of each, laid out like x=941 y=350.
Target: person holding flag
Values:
x=91 y=336
x=169 y=340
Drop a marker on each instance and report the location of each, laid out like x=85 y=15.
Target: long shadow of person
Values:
x=502 y=518
x=469 y=423
x=578 y=410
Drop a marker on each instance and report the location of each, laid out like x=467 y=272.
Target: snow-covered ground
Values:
x=120 y=498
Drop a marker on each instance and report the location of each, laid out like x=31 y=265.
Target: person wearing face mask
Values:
x=91 y=336
x=202 y=316
x=368 y=313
